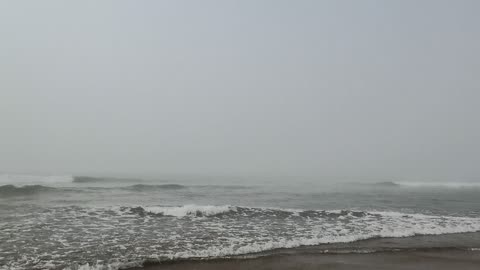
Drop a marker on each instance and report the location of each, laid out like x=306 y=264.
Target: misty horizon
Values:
x=228 y=134
x=321 y=90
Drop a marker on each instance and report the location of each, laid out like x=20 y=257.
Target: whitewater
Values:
x=88 y=222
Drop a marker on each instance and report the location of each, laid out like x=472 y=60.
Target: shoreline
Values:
x=401 y=260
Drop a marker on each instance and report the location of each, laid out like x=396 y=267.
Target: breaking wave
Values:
x=11 y=190
x=229 y=211
x=181 y=211
x=25 y=179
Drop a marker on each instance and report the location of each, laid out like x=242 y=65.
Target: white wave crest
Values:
x=440 y=184
x=185 y=210
x=107 y=266
x=26 y=179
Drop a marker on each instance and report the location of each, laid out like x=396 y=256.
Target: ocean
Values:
x=84 y=222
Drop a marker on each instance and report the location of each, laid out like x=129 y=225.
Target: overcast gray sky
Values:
x=324 y=89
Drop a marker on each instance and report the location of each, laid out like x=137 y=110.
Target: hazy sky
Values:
x=325 y=89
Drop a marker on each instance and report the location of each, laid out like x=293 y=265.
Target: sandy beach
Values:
x=443 y=259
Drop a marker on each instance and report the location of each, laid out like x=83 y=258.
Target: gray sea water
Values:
x=66 y=222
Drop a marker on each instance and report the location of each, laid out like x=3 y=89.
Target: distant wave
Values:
x=386 y=184
x=90 y=179
x=11 y=190
x=18 y=190
x=223 y=186
x=143 y=187
x=426 y=184
x=25 y=179
x=155 y=187
x=440 y=184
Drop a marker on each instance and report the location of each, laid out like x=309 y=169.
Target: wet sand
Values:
x=438 y=260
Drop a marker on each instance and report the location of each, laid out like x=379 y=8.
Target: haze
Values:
x=327 y=90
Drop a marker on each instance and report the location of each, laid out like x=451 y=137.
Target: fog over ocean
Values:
x=143 y=134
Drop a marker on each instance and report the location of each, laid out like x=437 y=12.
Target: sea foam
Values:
x=112 y=238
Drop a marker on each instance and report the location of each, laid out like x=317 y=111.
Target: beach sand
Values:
x=438 y=260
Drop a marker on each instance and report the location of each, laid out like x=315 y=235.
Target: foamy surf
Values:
x=110 y=223
x=123 y=235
